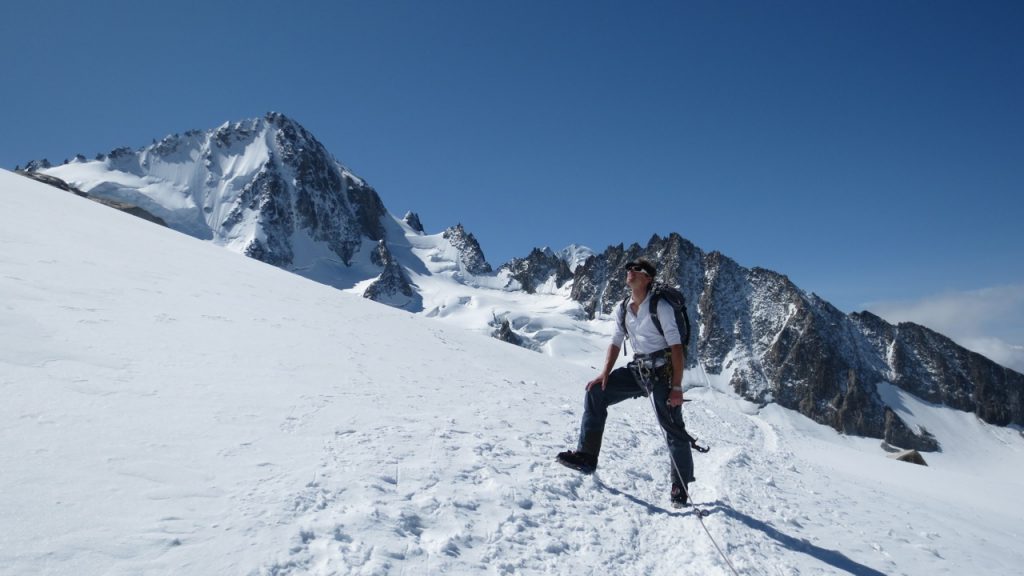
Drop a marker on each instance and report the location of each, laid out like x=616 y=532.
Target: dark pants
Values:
x=623 y=385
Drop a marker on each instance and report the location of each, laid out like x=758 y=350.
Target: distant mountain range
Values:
x=268 y=189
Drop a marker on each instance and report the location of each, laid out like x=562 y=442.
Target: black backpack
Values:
x=678 y=302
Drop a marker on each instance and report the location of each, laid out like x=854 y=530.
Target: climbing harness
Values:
x=646 y=368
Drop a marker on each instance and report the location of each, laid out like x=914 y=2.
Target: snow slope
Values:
x=550 y=321
x=171 y=407
x=217 y=186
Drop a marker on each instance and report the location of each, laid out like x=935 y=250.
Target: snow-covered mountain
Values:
x=786 y=346
x=263 y=187
x=542 y=271
x=268 y=189
x=172 y=408
x=575 y=255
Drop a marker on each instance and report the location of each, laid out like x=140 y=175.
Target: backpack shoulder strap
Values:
x=622 y=312
x=655 y=298
x=622 y=321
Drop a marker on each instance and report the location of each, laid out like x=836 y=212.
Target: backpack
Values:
x=678 y=302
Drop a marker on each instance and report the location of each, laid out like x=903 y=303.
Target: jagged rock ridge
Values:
x=542 y=266
x=795 y=349
x=393 y=286
x=412 y=219
x=471 y=255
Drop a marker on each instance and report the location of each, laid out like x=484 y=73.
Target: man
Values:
x=656 y=371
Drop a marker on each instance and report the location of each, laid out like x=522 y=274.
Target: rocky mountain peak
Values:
x=471 y=256
x=393 y=287
x=575 y=255
x=254 y=185
x=540 y=267
x=37 y=165
x=302 y=187
x=412 y=219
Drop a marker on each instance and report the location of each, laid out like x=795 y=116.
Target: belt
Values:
x=653 y=357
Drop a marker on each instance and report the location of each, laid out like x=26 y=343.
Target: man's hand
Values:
x=602 y=380
x=675 y=397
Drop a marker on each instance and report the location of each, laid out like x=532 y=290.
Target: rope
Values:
x=700 y=516
x=700 y=513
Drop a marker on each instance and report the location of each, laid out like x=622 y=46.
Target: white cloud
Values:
x=989 y=321
x=999 y=351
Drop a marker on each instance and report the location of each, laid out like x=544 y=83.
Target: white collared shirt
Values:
x=643 y=334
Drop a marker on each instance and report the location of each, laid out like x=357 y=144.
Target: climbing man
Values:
x=656 y=371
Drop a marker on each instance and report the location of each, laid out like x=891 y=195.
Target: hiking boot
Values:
x=680 y=497
x=581 y=461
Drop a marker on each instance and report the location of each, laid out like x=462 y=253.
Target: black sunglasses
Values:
x=636 y=268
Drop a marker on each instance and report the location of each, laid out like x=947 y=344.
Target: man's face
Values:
x=635 y=276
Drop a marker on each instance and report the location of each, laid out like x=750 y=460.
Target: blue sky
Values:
x=873 y=151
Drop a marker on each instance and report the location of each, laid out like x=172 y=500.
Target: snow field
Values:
x=173 y=408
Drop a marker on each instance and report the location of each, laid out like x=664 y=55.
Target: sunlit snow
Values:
x=171 y=407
